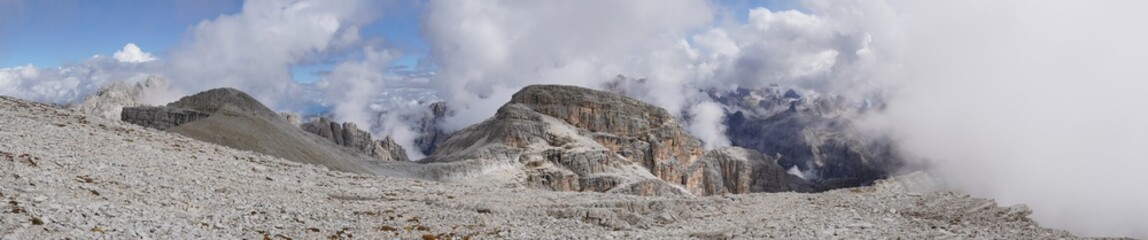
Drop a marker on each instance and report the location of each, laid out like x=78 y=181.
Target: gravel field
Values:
x=68 y=175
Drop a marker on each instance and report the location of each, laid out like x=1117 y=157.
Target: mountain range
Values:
x=219 y=164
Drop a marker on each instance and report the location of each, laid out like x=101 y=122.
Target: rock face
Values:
x=812 y=135
x=521 y=147
x=569 y=138
x=628 y=127
x=738 y=170
x=431 y=133
x=160 y=118
x=232 y=118
x=349 y=135
x=110 y=99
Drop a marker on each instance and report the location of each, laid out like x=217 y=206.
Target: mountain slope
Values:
x=570 y=138
x=237 y=120
x=67 y=175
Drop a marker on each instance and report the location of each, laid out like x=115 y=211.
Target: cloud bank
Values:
x=487 y=50
x=1023 y=101
x=665 y=52
x=1031 y=102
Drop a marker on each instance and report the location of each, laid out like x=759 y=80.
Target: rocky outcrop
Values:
x=292 y=118
x=160 y=118
x=112 y=98
x=521 y=147
x=569 y=138
x=389 y=150
x=738 y=170
x=635 y=130
x=349 y=135
x=430 y=128
x=232 y=118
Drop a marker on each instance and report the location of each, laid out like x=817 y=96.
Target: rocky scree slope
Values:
x=68 y=175
x=232 y=118
x=568 y=138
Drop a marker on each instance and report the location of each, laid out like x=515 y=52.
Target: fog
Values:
x=1022 y=101
x=1032 y=102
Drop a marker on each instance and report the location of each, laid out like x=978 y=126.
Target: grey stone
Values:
x=160 y=118
x=350 y=136
x=567 y=138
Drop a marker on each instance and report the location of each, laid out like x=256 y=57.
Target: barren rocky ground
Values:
x=68 y=175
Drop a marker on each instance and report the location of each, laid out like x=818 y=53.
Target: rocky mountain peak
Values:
x=570 y=138
x=215 y=99
x=232 y=118
x=634 y=129
x=110 y=99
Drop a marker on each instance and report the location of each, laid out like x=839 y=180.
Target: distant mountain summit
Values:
x=560 y=138
x=232 y=118
x=812 y=135
x=568 y=138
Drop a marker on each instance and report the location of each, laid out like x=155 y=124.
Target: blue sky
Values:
x=50 y=33
x=53 y=33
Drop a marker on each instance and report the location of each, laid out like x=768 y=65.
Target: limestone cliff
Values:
x=349 y=135
x=576 y=139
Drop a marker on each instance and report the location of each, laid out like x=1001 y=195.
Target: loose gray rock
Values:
x=69 y=176
x=232 y=118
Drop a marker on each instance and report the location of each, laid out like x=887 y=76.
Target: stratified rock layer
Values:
x=349 y=135
x=569 y=138
x=638 y=131
x=160 y=118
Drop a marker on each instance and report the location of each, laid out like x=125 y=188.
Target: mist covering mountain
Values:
x=75 y=175
x=1001 y=99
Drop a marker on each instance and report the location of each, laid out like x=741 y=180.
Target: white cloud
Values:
x=70 y=82
x=486 y=51
x=1032 y=102
x=253 y=50
x=707 y=124
x=132 y=54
